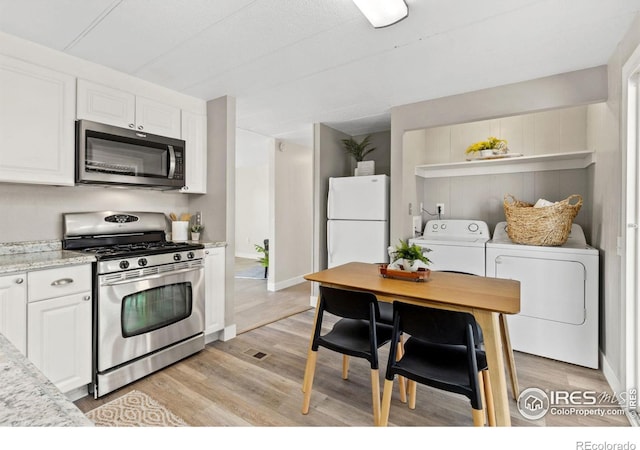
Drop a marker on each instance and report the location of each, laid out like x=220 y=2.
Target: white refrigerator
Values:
x=358 y=220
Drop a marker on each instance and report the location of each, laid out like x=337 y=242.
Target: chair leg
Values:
x=345 y=367
x=511 y=364
x=488 y=394
x=411 y=388
x=386 y=403
x=402 y=382
x=375 y=395
x=308 y=380
x=478 y=417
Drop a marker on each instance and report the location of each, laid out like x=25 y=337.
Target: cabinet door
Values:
x=157 y=118
x=13 y=309
x=105 y=104
x=194 y=132
x=214 y=266
x=59 y=339
x=37 y=111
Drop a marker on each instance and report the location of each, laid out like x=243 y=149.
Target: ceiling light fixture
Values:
x=382 y=13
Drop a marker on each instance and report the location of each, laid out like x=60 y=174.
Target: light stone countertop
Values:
x=34 y=255
x=28 y=398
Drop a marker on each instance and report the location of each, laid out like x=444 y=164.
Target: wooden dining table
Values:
x=485 y=298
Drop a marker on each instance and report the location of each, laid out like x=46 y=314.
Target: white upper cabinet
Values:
x=113 y=106
x=36 y=124
x=194 y=133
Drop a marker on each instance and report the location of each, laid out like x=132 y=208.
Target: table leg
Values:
x=489 y=323
x=306 y=370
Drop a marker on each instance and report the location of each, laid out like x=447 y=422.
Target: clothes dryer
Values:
x=559 y=312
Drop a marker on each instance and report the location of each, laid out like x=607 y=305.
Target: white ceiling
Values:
x=292 y=63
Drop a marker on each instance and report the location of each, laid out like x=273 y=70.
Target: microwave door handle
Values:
x=172 y=162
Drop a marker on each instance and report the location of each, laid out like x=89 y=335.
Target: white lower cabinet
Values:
x=214 y=267
x=59 y=314
x=13 y=309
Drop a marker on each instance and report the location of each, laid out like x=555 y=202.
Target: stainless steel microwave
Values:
x=119 y=156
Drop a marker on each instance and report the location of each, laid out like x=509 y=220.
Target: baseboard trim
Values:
x=228 y=333
x=616 y=387
x=285 y=284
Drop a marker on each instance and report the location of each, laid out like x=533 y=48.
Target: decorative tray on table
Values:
x=420 y=275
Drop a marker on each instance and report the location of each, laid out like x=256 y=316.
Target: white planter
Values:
x=195 y=236
x=486 y=153
x=366 y=168
x=404 y=264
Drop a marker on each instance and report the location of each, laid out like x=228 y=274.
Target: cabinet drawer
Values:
x=57 y=282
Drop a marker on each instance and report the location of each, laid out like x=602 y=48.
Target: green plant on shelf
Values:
x=492 y=143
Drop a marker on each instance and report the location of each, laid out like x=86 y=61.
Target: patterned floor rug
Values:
x=134 y=409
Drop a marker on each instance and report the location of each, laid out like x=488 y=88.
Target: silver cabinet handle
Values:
x=86 y=298
x=62 y=282
x=20 y=281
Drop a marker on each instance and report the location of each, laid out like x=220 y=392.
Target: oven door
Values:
x=140 y=316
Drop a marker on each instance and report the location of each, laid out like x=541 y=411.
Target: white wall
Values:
x=291 y=215
x=581 y=87
x=34 y=212
x=481 y=197
x=252 y=192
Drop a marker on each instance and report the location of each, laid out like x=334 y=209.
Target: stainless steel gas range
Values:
x=148 y=309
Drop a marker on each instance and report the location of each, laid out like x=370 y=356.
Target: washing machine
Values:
x=455 y=245
x=559 y=311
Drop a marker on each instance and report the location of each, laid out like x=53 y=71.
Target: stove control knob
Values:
x=177 y=257
x=142 y=262
x=473 y=227
x=191 y=255
x=124 y=264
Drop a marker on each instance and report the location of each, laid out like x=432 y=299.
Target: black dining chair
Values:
x=358 y=333
x=441 y=352
x=506 y=345
x=386 y=317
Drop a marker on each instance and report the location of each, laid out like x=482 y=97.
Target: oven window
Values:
x=125 y=158
x=155 y=308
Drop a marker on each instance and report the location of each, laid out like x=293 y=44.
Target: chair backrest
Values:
x=438 y=326
x=349 y=304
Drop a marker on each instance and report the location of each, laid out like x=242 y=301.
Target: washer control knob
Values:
x=124 y=264
x=473 y=227
x=142 y=262
x=177 y=257
x=443 y=226
x=435 y=226
x=191 y=255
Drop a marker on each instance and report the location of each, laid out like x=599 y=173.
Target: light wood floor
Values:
x=256 y=306
x=226 y=385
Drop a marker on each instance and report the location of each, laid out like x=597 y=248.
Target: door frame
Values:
x=631 y=197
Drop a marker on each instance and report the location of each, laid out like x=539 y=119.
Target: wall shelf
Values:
x=553 y=161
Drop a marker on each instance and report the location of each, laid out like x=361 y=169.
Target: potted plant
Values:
x=408 y=257
x=492 y=146
x=358 y=150
x=196 y=229
x=264 y=260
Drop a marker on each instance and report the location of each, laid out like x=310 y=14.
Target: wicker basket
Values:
x=547 y=226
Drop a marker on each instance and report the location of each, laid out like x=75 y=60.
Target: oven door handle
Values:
x=151 y=277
